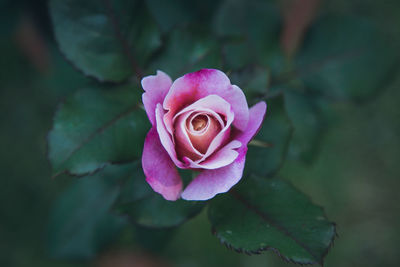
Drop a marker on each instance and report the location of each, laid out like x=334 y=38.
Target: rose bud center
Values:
x=201 y=129
x=199 y=122
x=195 y=132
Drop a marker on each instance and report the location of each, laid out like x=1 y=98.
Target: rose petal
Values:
x=158 y=168
x=213 y=102
x=216 y=104
x=201 y=139
x=183 y=144
x=199 y=84
x=220 y=138
x=211 y=182
x=238 y=101
x=257 y=114
x=156 y=88
x=221 y=158
x=165 y=137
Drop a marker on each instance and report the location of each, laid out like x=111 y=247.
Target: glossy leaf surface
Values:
x=95 y=127
x=270 y=214
x=106 y=39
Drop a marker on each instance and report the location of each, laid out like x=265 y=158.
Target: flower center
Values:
x=199 y=122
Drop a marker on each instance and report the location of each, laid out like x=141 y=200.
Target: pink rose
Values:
x=199 y=122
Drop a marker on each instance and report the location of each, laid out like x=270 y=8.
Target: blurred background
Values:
x=355 y=174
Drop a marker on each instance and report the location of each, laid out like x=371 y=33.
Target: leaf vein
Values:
x=268 y=219
x=98 y=131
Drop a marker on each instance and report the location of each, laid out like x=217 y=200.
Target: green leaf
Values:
x=270 y=146
x=345 y=57
x=253 y=27
x=304 y=114
x=80 y=223
x=106 y=39
x=187 y=51
x=147 y=208
x=270 y=214
x=96 y=127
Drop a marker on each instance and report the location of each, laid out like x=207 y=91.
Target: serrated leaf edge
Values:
x=276 y=251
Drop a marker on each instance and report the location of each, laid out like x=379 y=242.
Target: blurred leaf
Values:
x=270 y=214
x=134 y=186
x=62 y=77
x=297 y=16
x=346 y=58
x=10 y=12
x=153 y=239
x=186 y=52
x=148 y=208
x=156 y=212
x=80 y=223
x=106 y=39
x=305 y=117
x=254 y=28
x=253 y=80
x=169 y=14
x=95 y=127
x=275 y=133
x=13 y=63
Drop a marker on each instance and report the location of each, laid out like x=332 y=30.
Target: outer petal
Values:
x=237 y=99
x=156 y=88
x=221 y=158
x=199 y=84
x=257 y=114
x=211 y=182
x=160 y=171
x=165 y=137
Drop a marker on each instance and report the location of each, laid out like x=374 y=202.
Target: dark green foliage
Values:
x=186 y=52
x=105 y=39
x=156 y=212
x=80 y=222
x=96 y=127
x=271 y=143
x=270 y=214
x=254 y=81
x=334 y=87
x=341 y=58
x=177 y=13
x=146 y=208
x=153 y=239
x=169 y=14
x=252 y=27
x=345 y=57
x=305 y=116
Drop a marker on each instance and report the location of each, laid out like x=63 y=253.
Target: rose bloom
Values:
x=199 y=122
